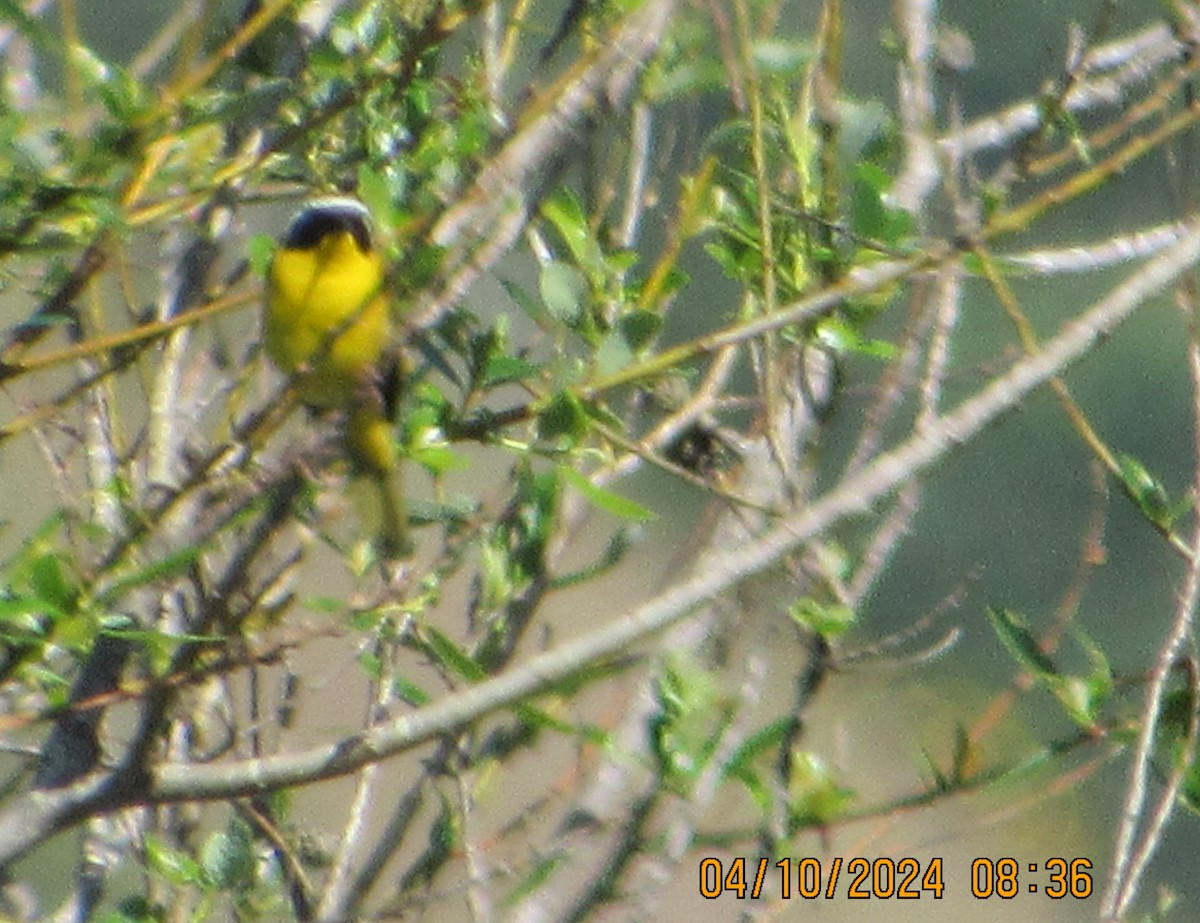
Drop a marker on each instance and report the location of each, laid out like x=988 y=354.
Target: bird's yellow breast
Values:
x=327 y=317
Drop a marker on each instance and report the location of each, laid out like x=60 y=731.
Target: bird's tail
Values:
x=370 y=442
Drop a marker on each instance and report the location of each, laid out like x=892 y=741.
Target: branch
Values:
x=38 y=815
x=481 y=227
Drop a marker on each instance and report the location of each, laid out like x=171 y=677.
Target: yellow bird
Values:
x=328 y=323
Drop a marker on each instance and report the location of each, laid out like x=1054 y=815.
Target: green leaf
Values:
x=533 y=308
x=844 y=337
x=613 y=354
x=76 y=632
x=828 y=621
x=541 y=871
x=376 y=194
x=964 y=755
x=870 y=216
x=814 y=794
x=1146 y=491
x=495 y=581
x=504 y=369
x=1013 y=630
x=228 y=860
x=1079 y=696
x=588 y=675
x=325 y=605
x=164 y=568
x=438 y=459
x=565 y=212
x=452 y=656
x=940 y=781
x=564 y=415
x=158 y=647
x=604 y=499
x=540 y=719
x=1083 y=696
x=765 y=740
x=618 y=544
x=123 y=96
x=260 y=250
x=639 y=328
x=49 y=579
x=19 y=609
x=736 y=266
x=563 y=290
x=172 y=864
x=90 y=67
x=409 y=692
x=1170 y=745
x=690 y=720
x=371 y=664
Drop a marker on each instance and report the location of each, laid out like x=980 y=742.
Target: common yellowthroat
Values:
x=328 y=323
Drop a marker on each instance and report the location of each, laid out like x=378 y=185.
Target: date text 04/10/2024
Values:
x=901 y=879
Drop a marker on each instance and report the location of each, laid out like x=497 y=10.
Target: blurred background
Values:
x=1002 y=523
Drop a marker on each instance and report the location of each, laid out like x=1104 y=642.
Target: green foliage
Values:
x=1149 y=493
x=1082 y=696
x=671 y=297
x=687 y=726
x=564 y=420
x=452 y=657
x=870 y=216
x=562 y=288
x=751 y=762
x=815 y=794
x=827 y=620
x=605 y=499
x=1175 y=746
x=227 y=859
x=174 y=865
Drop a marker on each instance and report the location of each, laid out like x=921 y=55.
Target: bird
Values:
x=328 y=325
